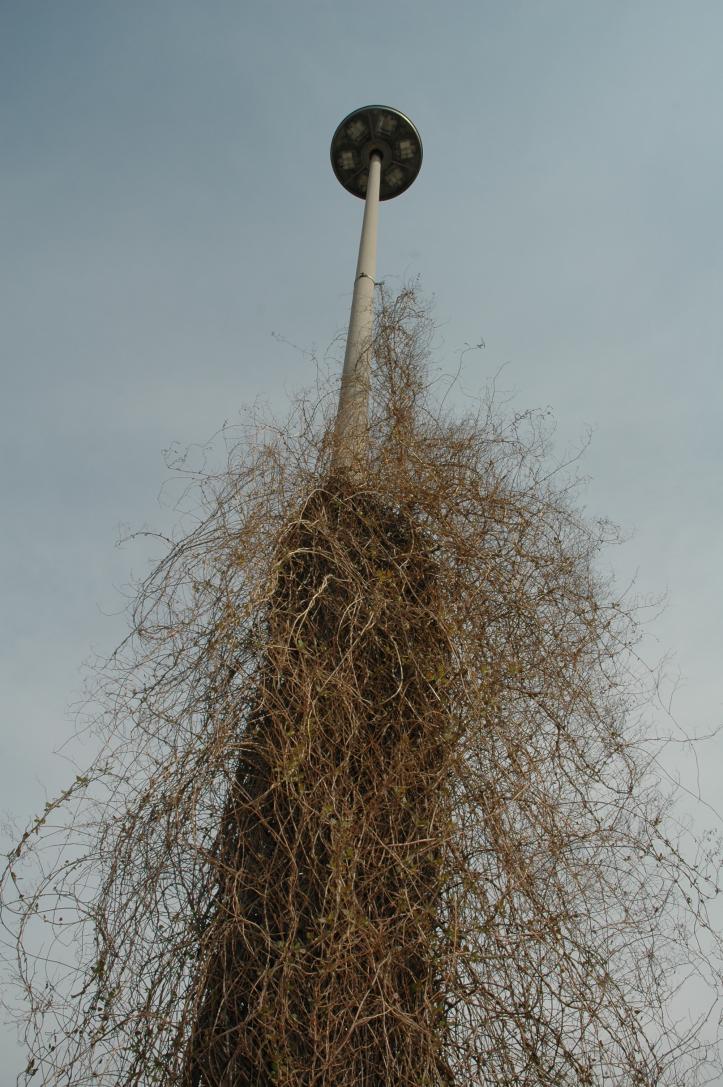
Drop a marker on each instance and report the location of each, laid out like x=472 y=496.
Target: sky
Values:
x=174 y=246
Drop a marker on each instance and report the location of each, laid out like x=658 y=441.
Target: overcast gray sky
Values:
x=166 y=204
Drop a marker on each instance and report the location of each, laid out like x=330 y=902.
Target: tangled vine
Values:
x=372 y=807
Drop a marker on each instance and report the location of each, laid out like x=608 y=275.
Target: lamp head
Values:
x=377 y=130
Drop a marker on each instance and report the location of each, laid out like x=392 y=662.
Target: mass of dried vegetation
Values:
x=374 y=804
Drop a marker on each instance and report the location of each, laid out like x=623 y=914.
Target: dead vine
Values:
x=372 y=808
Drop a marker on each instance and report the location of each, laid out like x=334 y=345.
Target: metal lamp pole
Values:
x=376 y=154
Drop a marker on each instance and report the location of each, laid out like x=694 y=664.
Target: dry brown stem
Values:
x=372 y=808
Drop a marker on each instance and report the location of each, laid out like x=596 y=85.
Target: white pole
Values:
x=352 y=418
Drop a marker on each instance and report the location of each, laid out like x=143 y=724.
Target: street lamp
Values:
x=376 y=153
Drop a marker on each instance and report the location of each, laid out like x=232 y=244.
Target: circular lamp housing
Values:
x=386 y=132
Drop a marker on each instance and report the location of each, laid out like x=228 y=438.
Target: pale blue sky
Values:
x=166 y=204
